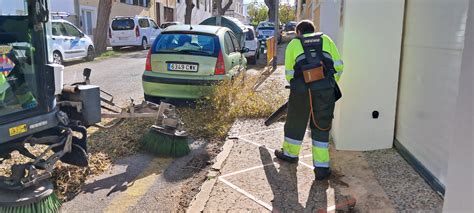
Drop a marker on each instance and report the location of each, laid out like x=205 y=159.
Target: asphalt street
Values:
x=120 y=76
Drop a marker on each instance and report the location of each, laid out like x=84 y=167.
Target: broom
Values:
x=48 y=204
x=164 y=138
x=35 y=200
x=165 y=145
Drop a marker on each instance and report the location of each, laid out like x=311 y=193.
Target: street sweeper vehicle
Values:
x=37 y=110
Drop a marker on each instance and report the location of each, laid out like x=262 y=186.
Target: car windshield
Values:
x=13 y=8
x=266 y=24
x=123 y=24
x=250 y=35
x=194 y=44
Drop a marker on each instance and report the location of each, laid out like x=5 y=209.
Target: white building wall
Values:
x=63 y=6
x=198 y=15
x=460 y=180
x=430 y=69
x=370 y=79
x=329 y=18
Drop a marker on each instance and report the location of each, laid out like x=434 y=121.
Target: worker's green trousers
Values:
x=297 y=120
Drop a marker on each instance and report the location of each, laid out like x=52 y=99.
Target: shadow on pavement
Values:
x=143 y=165
x=284 y=185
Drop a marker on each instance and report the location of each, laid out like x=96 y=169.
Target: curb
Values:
x=200 y=200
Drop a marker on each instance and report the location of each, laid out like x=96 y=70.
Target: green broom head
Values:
x=165 y=144
x=33 y=199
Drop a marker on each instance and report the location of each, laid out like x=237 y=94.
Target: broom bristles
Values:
x=48 y=204
x=165 y=145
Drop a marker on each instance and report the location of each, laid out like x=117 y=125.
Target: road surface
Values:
x=120 y=76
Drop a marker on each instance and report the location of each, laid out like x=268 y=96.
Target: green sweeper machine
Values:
x=38 y=110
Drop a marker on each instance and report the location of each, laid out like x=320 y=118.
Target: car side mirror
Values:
x=82 y=35
x=245 y=50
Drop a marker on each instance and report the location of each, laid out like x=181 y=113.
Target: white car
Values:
x=266 y=30
x=69 y=43
x=251 y=42
x=133 y=31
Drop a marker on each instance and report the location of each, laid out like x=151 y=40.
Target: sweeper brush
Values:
x=27 y=188
x=165 y=137
x=36 y=199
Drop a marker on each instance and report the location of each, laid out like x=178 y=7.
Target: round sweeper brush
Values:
x=166 y=142
x=35 y=199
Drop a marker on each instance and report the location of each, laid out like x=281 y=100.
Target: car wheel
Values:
x=116 y=48
x=57 y=58
x=90 y=53
x=153 y=99
x=144 y=44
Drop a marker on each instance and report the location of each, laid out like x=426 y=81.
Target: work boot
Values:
x=281 y=155
x=322 y=173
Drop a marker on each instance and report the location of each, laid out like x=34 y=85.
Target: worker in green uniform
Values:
x=312 y=67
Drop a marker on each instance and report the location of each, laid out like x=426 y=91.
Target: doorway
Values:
x=87 y=21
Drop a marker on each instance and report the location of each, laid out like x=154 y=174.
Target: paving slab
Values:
x=252 y=180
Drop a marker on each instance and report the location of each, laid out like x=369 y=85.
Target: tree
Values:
x=221 y=10
x=189 y=10
x=286 y=13
x=102 y=29
x=257 y=13
x=271 y=10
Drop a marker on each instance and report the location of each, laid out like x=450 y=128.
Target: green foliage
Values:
x=259 y=12
x=108 y=54
x=215 y=114
x=287 y=13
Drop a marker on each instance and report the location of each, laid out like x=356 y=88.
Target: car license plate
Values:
x=183 y=67
x=123 y=38
x=17 y=130
x=267 y=32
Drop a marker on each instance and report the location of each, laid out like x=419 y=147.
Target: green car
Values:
x=186 y=61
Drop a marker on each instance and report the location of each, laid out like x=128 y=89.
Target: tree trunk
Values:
x=189 y=11
x=226 y=7
x=102 y=29
x=271 y=10
x=221 y=10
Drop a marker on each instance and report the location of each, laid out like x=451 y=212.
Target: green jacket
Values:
x=295 y=50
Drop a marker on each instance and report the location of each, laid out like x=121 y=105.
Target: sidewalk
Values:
x=251 y=180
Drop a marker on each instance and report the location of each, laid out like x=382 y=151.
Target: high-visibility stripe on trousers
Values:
x=297 y=120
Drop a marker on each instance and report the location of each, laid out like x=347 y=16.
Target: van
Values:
x=139 y=31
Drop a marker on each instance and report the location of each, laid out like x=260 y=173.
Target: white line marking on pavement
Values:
x=256 y=144
x=307 y=156
x=331 y=199
x=249 y=169
x=266 y=205
x=254 y=133
x=305 y=164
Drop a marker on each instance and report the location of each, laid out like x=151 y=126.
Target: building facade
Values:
x=236 y=10
x=83 y=13
x=420 y=53
x=202 y=10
